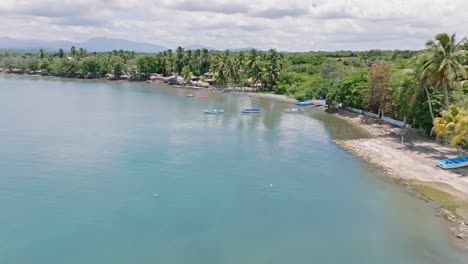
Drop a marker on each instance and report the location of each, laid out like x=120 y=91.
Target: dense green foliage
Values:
x=415 y=85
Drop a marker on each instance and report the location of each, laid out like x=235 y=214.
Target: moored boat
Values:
x=306 y=102
x=191 y=95
x=214 y=111
x=251 y=110
x=453 y=163
x=294 y=111
x=200 y=97
x=300 y=102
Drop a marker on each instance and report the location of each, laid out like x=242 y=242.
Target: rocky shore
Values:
x=409 y=159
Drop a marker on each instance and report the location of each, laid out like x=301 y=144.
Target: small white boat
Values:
x=191 y=95
x=453 y=163
x=294 y=111
x=251 y=110
x=214 y=111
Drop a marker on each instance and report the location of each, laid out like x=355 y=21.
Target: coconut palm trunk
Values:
x=429 y=102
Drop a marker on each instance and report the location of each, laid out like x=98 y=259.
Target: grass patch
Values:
x=447 y=200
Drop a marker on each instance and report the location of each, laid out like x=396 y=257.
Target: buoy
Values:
x=271 y=185
x=155 y=195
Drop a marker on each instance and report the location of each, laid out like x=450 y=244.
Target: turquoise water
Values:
x=81 y=160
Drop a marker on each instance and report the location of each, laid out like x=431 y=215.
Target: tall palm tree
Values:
x=269 y=74
x=444 y=59
x=220 y=67
x=170 y=65
x=179 y=59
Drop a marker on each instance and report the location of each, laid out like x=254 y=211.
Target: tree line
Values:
x=416 y=85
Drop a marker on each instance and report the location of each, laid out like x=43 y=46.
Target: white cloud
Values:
x=285 y=25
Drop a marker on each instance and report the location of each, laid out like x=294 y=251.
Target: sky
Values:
x=286 y=25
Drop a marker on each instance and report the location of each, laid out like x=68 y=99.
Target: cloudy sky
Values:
x=292 y=25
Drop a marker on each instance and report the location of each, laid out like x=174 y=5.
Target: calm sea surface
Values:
x=80 y=162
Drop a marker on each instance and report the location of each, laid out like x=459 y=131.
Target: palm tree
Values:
x=186 y=74
x=73 y=51
x=179 y=59
x=269 y=74
x=220 y=67
x=169 y=62
x=204 y=61
x=443 y=63
x=453 y=126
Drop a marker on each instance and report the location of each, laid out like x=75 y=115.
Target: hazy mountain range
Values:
x=93 y=44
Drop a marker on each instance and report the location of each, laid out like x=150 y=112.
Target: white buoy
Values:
x=271 y=185
x=155 y=195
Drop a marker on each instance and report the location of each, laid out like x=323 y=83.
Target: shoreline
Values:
x=411 y=165
x=405 y=157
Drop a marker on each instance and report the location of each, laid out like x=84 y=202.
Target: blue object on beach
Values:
x=214 y=111
x=251 y=110
x=453 y=163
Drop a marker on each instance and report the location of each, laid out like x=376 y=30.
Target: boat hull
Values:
x=453 y=163
x=294 y=111
x=250 y=110
x=213 y=112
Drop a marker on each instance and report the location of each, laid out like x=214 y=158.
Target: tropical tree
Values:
x=82 y=52
x=41 y=54
x=179 y=59
x=118 y=67
x=443 y=63
x=73 y=51
x=377 y=95
x=60 y=53
x=253 y=61
x=89 y=66
x=65 y=67
x=453 y=126
x=220 y=67
x=348 y=92
x=204 y=61
x=186 y=73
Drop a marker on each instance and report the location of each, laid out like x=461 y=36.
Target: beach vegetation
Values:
x=415 y=85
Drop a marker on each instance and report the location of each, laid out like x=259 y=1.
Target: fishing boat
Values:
x=294 y=111
x=453 y=163
x=251 y=110
x=308 y=102
x=191 y=95
x=214 y=111
x=200 y=97
x=299 y=102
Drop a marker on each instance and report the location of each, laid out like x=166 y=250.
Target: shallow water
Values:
x=81 y=160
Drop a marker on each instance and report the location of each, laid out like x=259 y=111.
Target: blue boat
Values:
x=453 y=163
x=294 y=111
x=214 y=111
x=251 y=110
x=302 y=101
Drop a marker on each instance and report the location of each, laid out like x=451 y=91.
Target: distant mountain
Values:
x=94 y=44
x=31 y=44
x=241 y=49
x=195 y=47
x=107 y=44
